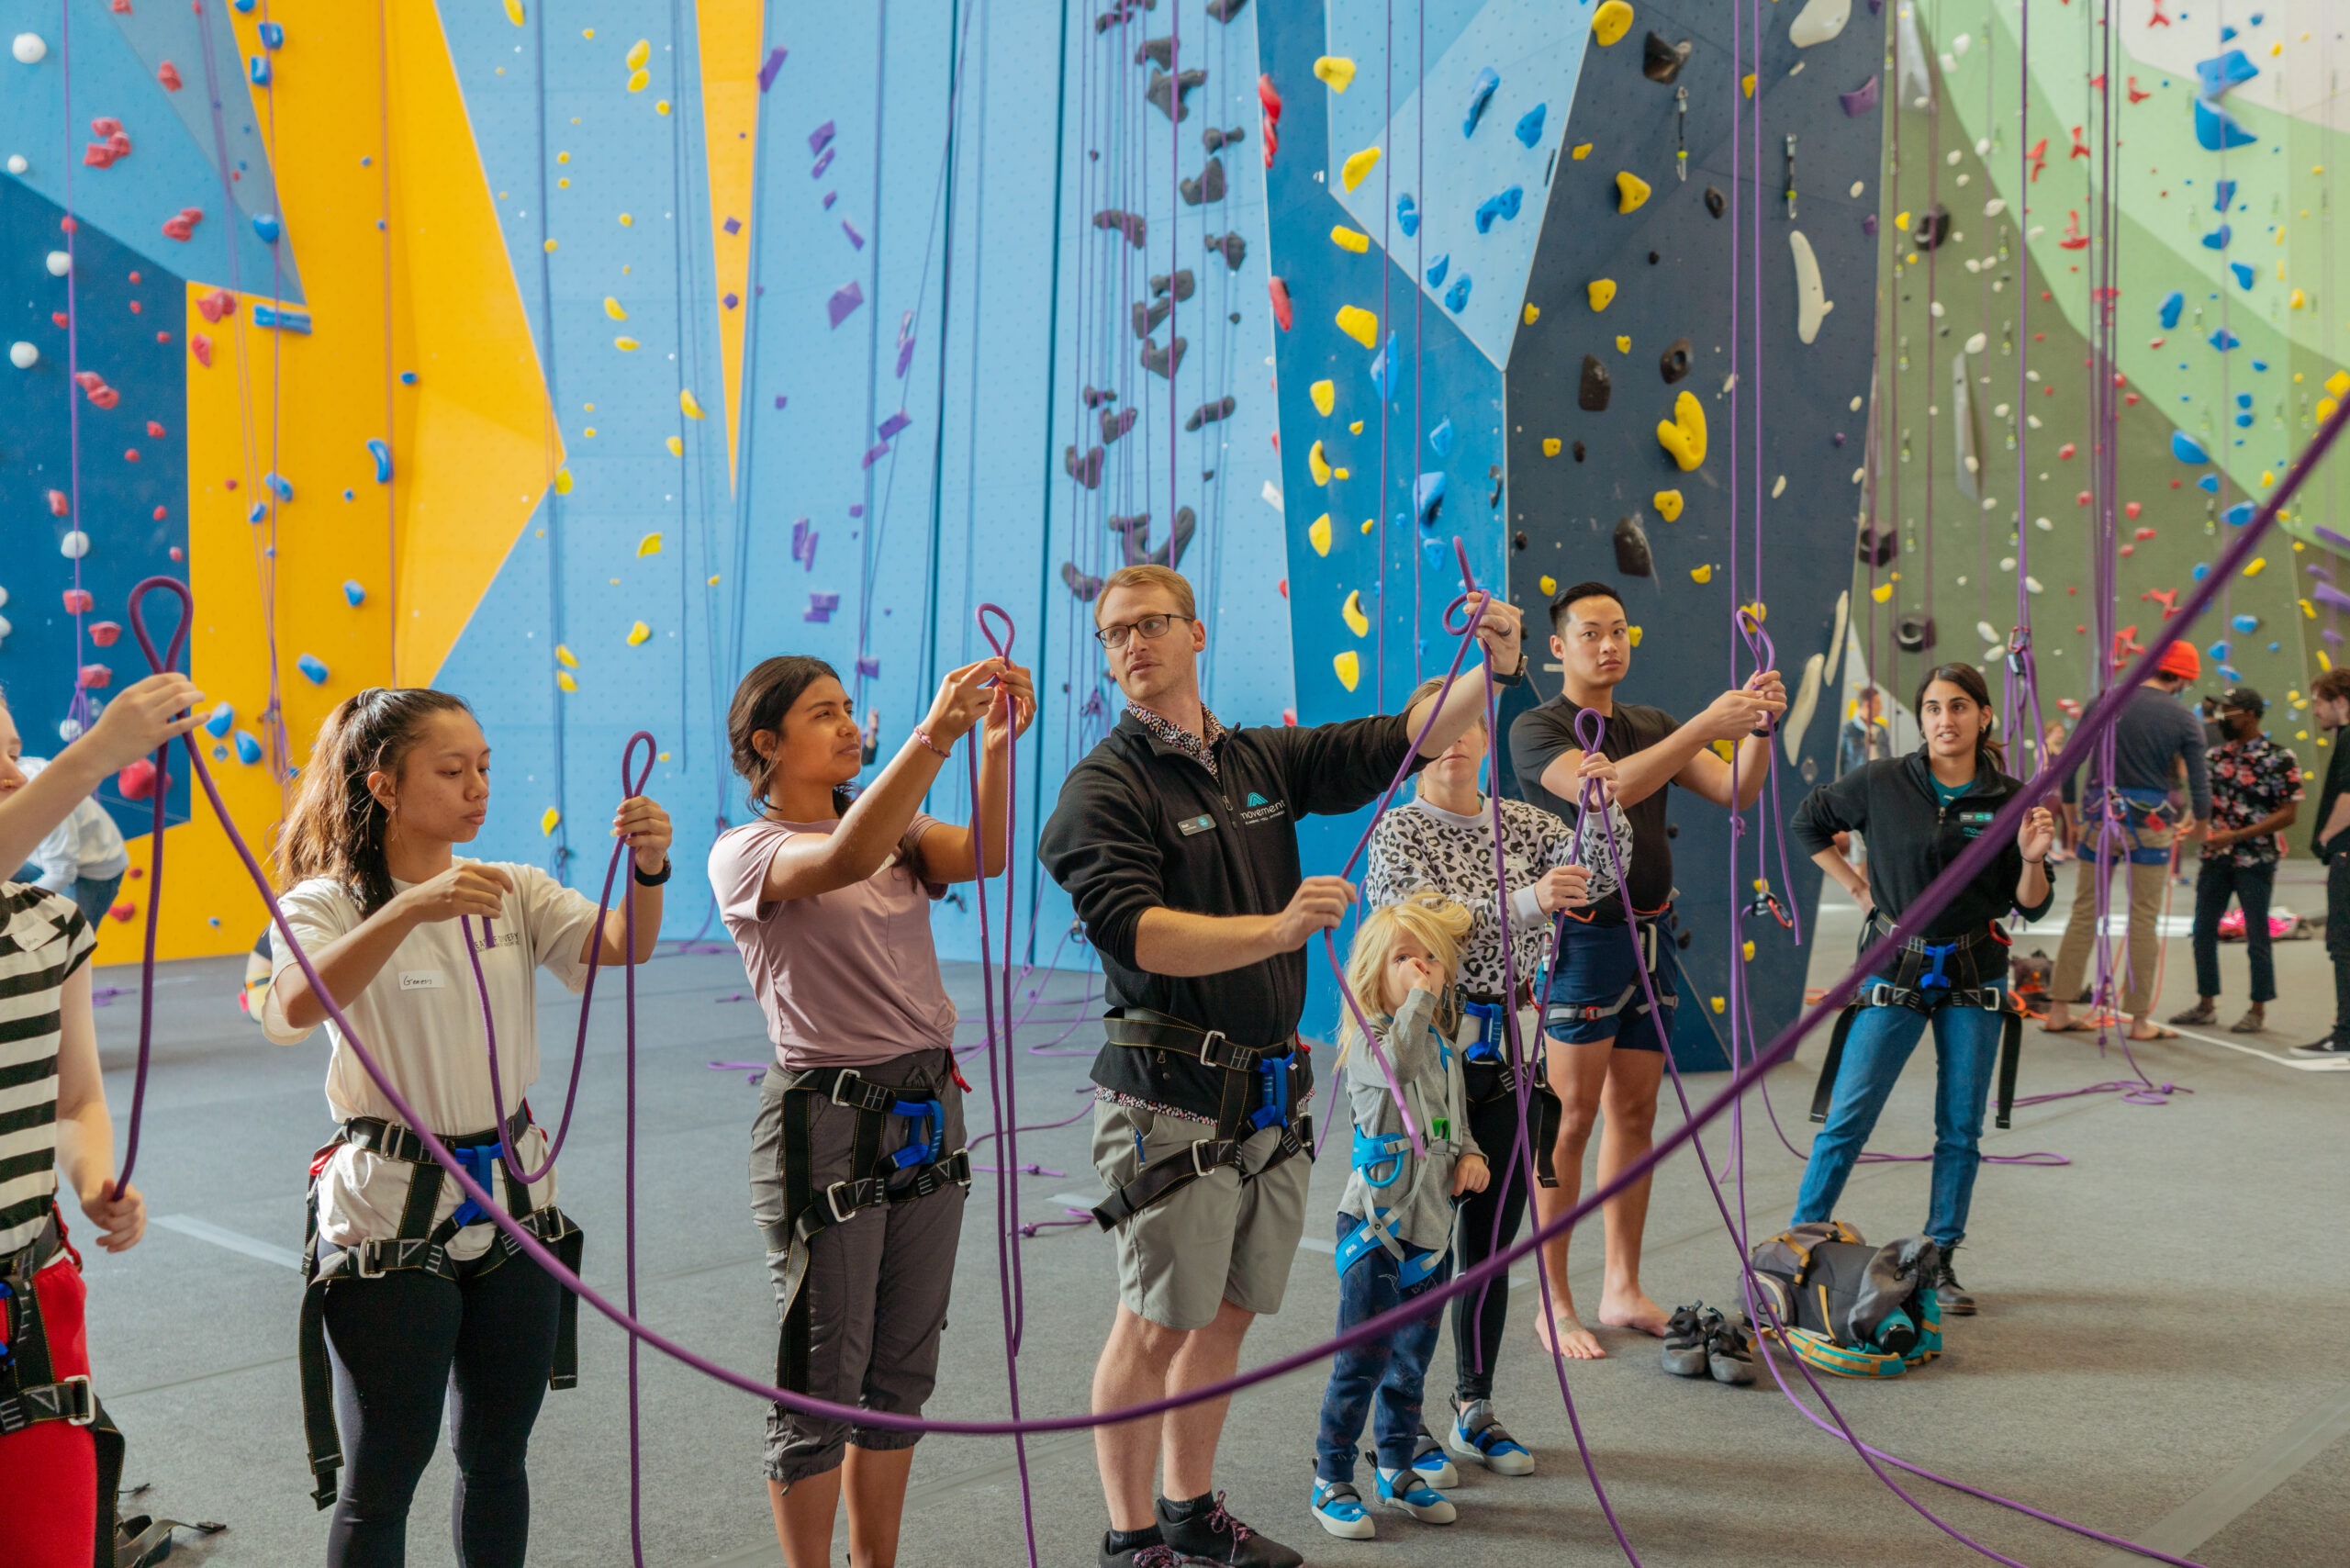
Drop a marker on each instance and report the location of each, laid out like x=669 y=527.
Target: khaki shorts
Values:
x=1216 y=1239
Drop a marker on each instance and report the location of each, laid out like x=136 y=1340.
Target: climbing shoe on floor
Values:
x=2254 y=1022
x=2326 y=1049
x=1409 y=1490
x=1428 y=1459
x=2201 y=1012
x=1685 y=1334
x=1956 y=1302
x=1478 y=1437
x=1203 y=1530
x=1337 y=1508
x=1731 y=1351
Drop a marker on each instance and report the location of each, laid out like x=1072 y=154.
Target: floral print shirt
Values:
x=1182 y=739
x=2250 y=779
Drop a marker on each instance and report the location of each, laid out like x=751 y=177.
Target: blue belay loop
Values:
x=924 y=1147
x=1274 y=1073
x=477 y=1161
x=1936 y=977
x=1372 y=1149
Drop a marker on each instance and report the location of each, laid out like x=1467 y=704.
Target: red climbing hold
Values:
x=201 y=347
x=94 y=677
x=137 y=781
x=77 y=601
x=103 y=632
x=1268 y=103
x=216 y=304
x=1279 y=290
x=114 y=143
x=58 y=319
x=2080 y=148
x=2073 y=239
x=2138 y=94
x=94 y=384
x=155 y=431
x=2066 y=450
x=2083 y=498
x=183 y=225
x=2134 y=508
x=168 y=76
x=2038 y=156
x=58 y=505
x=130 y=455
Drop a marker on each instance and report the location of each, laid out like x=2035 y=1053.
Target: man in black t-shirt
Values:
x=1604 y=1047
x=2330 y=705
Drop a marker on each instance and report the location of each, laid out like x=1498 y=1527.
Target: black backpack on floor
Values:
x=1849 y=1308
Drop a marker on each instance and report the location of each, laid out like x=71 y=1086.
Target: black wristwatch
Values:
x=1516 y=677
x=654 y=880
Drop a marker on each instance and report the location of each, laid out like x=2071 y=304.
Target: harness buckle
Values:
x=1201 y=1163
x=85 y=1405
x=368 y=1260
x=1217 y=1050
x=848 y=1076
x=1880 y=995
x=833 y=1202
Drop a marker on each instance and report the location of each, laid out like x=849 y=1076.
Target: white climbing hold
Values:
x=2031 y=584
x=60 y=263
x=23 y=355
x=1988 y=633
x=74 y=545
x=2042 y=524
x=16 y=165
x=1977 y=343
x=1995 y=207
x=1818 y=22
x=1806 y=702
x=1812 y=303
x=1779 y=488
x=30 y=49
x=1858 y=186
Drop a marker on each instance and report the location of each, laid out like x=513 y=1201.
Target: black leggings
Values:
x=399 y=1344
x=1479 y=1316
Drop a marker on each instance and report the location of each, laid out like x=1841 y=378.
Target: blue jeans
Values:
x=1966 y=1044
x=1383 y=1378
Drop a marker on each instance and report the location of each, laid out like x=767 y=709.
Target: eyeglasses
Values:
x=1152 y=627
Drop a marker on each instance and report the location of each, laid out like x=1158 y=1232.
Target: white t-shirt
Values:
x=86 y=844
x=420 y=1019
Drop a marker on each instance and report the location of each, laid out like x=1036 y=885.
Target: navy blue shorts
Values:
x=1596 y=964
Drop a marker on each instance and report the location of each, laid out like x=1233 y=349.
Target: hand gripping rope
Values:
x=2098 y=718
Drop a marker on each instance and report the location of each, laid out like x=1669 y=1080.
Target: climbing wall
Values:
x=2229 y=327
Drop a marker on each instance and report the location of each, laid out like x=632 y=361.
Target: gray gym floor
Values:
x=2154 y=1356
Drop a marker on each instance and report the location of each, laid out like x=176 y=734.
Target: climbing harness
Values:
x=31 y=1393
x=1646 y=928
x=1925 y=980
x=1386 y=1160
x=1262 y=1087
x=1489 y=1072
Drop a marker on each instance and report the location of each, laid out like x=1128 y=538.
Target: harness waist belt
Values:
x=1254 y=1098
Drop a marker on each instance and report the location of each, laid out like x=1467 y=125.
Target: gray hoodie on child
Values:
x=1412 y=1207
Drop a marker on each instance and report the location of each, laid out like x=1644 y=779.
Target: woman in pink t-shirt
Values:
x=858 y=1169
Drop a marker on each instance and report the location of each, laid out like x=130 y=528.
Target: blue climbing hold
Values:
x=2223 y=70
x=2231 y=673
x=1382 y=370
x=2218 y=652
x=2226 y=33
x=1456 y=298
x=2187 y=449
x=1440 y=440
x=2222 y=194
x=2202 y=569
x=1437 y=268
x=2245 y=274
x=2173 y=303
x=244 y=4
x=2273 y=647
x=354 y=591
x=2243 y=399
x=1503 y=206
x=408 y=378
x=1407 y=215
x=381 y=451
x=1427 y=495
x=279 y=484
x=2209 y=484
x=273 y=35
x=1435 y=550
x=259 y=510
x=2237 y=516
x=2247 y=624
x=2244 y=421
x=2216 y=131
x=2218 y=239
x=313 y=668
x=1479 y=93
x=265 y=225
x=248 y=749
x=2224 y=340
x=2260 y=364
x=221 y=719
x=258 y=69
x=1530 y=124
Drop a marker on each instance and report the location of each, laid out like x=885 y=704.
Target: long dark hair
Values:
x=760 y=702
x=336 y=828
x=1969 y=680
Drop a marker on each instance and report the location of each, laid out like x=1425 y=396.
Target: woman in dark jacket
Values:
x=1918 y=813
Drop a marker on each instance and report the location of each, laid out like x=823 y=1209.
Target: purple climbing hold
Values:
x=873 y=454
x=853 y=237
x=845 y=301
x=892 y=425
x=820 y=606
x=731 y=299
x=776 y=57
x=733 y=226
x=868 y=664
x=819 y=138
x=1868 y=224
x=824 y=162
x=1860 y=99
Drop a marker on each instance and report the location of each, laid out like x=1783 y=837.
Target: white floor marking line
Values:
x=2340 y=1064
x=235 y=1241
x=2227 y=1499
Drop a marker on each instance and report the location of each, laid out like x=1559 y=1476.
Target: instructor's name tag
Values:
x=420 y=980
x=1190 y=825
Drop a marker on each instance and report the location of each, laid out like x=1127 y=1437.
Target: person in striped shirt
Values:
x=53 y=1510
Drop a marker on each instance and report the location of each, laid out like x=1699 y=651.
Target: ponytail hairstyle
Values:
x=760 y=702
x=337 y=826
x=1442 y=927
x=1969 y=680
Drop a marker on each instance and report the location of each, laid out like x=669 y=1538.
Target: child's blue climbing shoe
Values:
x=1337 y=1508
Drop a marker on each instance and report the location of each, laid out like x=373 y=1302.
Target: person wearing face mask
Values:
x=1919 y=812
x=2255 y=794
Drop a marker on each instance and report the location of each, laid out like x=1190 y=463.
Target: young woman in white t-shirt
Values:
x=382 y=904
x=828 y=893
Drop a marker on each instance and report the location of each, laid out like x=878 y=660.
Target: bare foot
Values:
x=1572 y=1340
x=1633 y=1311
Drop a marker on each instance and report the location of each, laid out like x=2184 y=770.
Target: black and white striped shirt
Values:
x=43 y=939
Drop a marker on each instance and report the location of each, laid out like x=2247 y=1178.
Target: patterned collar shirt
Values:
x=2251 y=779
x=1200 y=748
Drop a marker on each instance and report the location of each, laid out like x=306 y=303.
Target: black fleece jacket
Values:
x=1912 y=837
x=1141 y=825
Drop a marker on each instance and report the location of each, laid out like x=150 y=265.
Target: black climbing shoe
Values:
x=1956 y=1302
x=1730 y=1351
x=1212 y=1535
x=1685 y=1335
x=2331 y=1048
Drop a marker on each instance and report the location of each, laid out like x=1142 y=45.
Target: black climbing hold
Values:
x=1662 y=61
x=1117 y=422
x=1233 y=317
x=1134 y=539
x=1225 y=10
x=1209 y=413
x=1519 y=540
x=1596 y=388
x=1232 y=247
x=1163 y=362
x=1096 y=396
x=1129 y=224
x=1933 y=228
x=1147 y=317
x=1156 y=51
x=1716 y=203
x=1674 y=364
x=1217 y=140
x=1632 y=556
x=1914 y=632
x=1653 y=258
x=1086 y=471
x=1876 y=547
x=1085 y=587
x=1171 y=95
x=1182 y=283
x=1579 y=452
x=1209 y=187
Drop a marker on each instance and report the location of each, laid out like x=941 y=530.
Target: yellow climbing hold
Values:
x=1325 y=396
x=1580 y=150
x=1634 y=632
x=1337 y=73
x=564 y=682
x=638 y=633
x=2255 y=567
x=2325 y=407
x=514 y=12
x=639 y=80
x=2339 y=383
x=2298 y=301
x=1623 y=344
x=1701 y=574
x=1721 y=1003
x=1341 y=474
x=627 y=222
x=1551 y=446
x=1882 y=593
x=1317 y=464
x=640 y=54
x=1347 y=238
x=613 y=308
x=1317 y=534
x=1351 y=172
x=2268 y=478
x=662 y=107
x=1683 y=435
x=685 y=403
x=1748 y=949
x=1357 y=622
x=648 y=545
x=626 y=345
x=548 y=246
x=1355 y=429
x=1548 y=584
x=1359 y=324
x=562 y=481
x=1901 y=221
x=1610 y=23
x=1746 y=84
x=548 y=820
x=1667 y=504
x=1349 y=668
x=677 y=448
x=1366 y=523
x=1533 y=313
x=2309 y=612
x=1600 y=290
x=563 y=656
x=1631 y=191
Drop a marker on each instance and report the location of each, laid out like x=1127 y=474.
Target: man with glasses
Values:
x=1176 y=839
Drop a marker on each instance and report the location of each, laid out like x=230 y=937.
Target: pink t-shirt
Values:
x=845 y=978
